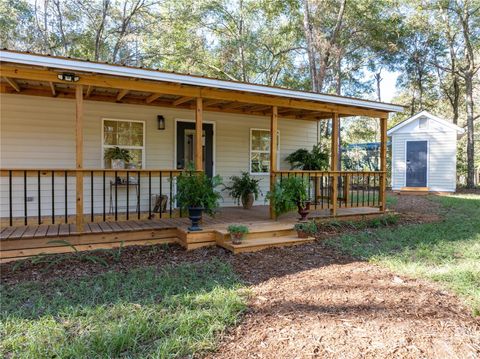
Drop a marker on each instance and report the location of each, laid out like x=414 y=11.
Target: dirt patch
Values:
x=416 y=207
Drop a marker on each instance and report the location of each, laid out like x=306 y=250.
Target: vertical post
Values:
x=335 y=143
x=273 y=153
x=79 y=156
x=383 y=163
x=198 y=134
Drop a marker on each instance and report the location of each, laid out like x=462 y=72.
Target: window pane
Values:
x=136 y=161
x=260 y=140
x=137 y=128
x=260 y=162
x=110 y=133
x=124 y=131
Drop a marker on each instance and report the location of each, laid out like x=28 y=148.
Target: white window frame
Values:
x=259 y=151
x=104 y=146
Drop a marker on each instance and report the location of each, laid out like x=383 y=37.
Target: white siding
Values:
x=441 y=155
x=40 y=132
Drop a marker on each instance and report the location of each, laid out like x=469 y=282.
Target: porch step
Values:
x=258 y=244
x=418 y=191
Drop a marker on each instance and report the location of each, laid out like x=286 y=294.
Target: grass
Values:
x=447 y=252
x=176 y=311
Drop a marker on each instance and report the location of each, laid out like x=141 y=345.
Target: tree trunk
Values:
x=470 y=142
x=307 y=28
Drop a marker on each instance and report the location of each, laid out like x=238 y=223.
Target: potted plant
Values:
x=237 y=232
x=196 y=193
x=118 y=157
x=244 y=188
x=314 y=160
x=305 y=229
x=288 y=194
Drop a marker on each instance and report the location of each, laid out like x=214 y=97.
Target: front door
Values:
x=416 y=164
x=186 y=146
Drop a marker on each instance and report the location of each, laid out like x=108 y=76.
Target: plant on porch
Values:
x=118 y=157
x=244 y=188
x=314 y=160
x=237 y=232
x=196 y=193
x=288 y=194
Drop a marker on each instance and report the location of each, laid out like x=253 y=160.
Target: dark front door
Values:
x=186 y=146
x=416 y=164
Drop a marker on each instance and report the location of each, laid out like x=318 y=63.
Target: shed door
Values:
x=416 y=164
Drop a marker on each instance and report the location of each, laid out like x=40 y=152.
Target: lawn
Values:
x=447 y=252
x=148 y=312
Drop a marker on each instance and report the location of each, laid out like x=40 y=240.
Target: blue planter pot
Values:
x=195 y=215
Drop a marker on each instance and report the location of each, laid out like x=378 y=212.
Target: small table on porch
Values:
x=115 y=186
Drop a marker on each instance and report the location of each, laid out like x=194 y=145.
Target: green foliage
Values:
x=314 y=160
x=447 y=252
x=242 y=186
x=117 y=153
x=176 y=311
x=196 y=189
x=237 y=228
x=287 y=194
x=309 y=227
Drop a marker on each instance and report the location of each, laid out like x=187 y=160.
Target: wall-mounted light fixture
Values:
x=160 y=122
x=68 y=76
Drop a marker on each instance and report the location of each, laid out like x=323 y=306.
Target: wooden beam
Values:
x=335 y=142
x=79 y=156
x=184 y=90
x=122 y=94
x=212 y=102
x=153 y=97
x=383 y=163
x=181 y=100
x=12 y=83
x=273 y=153
x=52 y=87
x=89 y=91
x=234 y=105
x=198 y=134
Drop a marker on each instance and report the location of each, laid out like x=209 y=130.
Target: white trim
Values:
x=428 y=115
x=123 y=71
x=214 y=142
x=250 y=152
x=405 y=160
x=143 y=148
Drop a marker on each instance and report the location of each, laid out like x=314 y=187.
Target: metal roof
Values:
x=65 y=63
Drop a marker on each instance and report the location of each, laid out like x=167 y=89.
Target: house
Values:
x=424 y=153
x=60 y=116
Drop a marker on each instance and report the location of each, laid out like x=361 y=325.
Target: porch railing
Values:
x=353 y=189
x=48 y=196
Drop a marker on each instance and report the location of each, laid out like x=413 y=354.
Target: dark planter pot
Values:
x=302 y=234
x=247 y=201
x=303 y=211
x=195 y=215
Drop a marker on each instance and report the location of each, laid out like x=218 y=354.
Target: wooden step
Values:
x=258 y=244
x=415 y=189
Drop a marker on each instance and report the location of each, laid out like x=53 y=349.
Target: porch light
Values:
x=161 y=122
x=68 y=76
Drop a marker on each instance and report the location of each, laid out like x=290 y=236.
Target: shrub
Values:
x=306 y=227
x=237 y=228
x=287 y=194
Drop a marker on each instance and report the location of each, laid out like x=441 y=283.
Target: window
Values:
x=260 y=150
x=129 y=135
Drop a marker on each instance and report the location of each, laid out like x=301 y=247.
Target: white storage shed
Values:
x=424 y=149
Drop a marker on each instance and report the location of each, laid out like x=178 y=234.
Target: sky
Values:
x=387 y=86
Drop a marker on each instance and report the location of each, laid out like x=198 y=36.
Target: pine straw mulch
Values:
x=312 y=301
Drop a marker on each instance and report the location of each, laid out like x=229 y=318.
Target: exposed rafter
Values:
x=153 y=97
x=12 y=83
x=212 y=102
x=122 y=94
x=181 y=100
x=89 y=91
x=234 y=105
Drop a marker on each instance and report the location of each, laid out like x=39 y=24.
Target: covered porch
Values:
x=78 y=201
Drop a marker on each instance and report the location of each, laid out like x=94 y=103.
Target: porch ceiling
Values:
x=21 y=78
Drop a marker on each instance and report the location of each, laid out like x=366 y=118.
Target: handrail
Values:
x=327 y=172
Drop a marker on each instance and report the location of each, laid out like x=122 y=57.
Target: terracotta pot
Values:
x=248 y=200
x=195 y=215
x=303 y=211
x=236 y=238
x=302 y=234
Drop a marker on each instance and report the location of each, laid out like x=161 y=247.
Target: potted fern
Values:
x=244 y=189
x=196 y=192
x=288 y=194
x=118 y=157
x=237 y=232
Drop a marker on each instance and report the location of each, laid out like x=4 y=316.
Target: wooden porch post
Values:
x=79 y=156
x=334 y=160
x=198 y=134
x=273 y=153
x=383 y=163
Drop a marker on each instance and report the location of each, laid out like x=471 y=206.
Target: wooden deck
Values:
x=21 y=242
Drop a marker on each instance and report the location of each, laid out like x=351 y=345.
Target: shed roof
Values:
x=424 y=113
